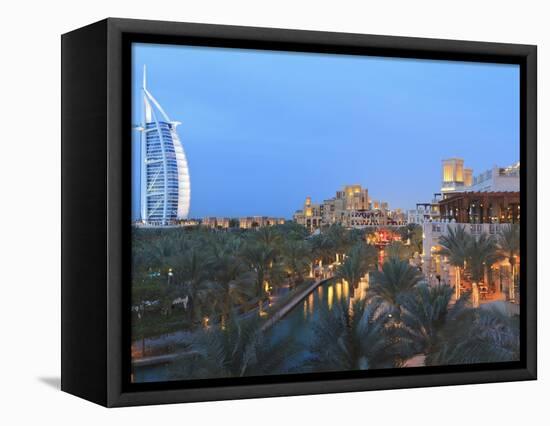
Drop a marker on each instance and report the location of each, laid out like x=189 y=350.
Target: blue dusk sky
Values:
x=262 y=129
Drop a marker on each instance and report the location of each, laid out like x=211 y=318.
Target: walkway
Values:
x=292 y=303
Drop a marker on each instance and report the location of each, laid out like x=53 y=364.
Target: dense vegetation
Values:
x=474 y=255
x=226 y=280
x=212 y=274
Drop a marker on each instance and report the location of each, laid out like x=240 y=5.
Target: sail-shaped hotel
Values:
x=165 y=183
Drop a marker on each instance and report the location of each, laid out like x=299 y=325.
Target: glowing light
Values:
x=345 y=288
x=339 y=291
x=330 y=296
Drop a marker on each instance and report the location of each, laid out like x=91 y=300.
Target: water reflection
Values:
x=299 y=322
x=343 y=291
x=345 y=286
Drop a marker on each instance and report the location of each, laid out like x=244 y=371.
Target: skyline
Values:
x=325 y=131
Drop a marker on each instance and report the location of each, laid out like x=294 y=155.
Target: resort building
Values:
x=425 y=212
x=482 y=204
x=216 y=222
x=497 y=179
x=497 y=278
x=312 y=215
x=456 y=178
x=351 y=207
x=188 y=222
x=490 y=197
x=165 y=183
x=241 y=222
x=481 y=207
x=259 y=221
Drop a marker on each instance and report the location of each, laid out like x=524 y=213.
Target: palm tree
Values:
x=357 y=263
x=191 y=276
x=322 y=247
x=352 y=338
x=340 y=239
x=508 y=244
x=482 y=335
x=291 y=230
x=240 y=349
x=396 y=278
x=144 y=291
x=453 y=246
x=259 y=258
x=412 y=234
x=398 y=250
x=426 y=311
x=223 y=261
x=235 y=285
x=267 y=236
x=296 y=258
x=221 y=245
x=481 y=253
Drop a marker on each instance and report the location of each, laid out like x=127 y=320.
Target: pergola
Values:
x=481 y=207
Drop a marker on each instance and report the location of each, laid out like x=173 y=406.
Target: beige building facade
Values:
x=259 y=221
x=249 y=222
x=351 y=207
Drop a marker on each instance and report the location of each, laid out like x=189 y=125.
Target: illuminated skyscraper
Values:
x=165 y=182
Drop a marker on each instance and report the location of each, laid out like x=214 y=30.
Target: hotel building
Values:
x=259 y=221
x=455 y=177
x=490 y=197
x=435 y=265
x=484 y=204
x=497 y=179
x=249 y=222
x=481 y=207
x=351 y=207
x=425 y=212
x=165 y=182
x=216 y=222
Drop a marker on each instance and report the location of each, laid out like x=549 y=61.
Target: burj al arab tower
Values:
x=165 y=182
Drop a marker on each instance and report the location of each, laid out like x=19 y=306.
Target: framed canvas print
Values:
x=252 y=212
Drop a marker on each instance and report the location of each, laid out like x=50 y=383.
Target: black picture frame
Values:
x=96 y=210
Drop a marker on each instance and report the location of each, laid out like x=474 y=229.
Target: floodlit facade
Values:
x=456 y=178
x=252 y=222
x=216 y=222
x=437 y=267
x=351 y=207
x=165 y=180
x=481 y=207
